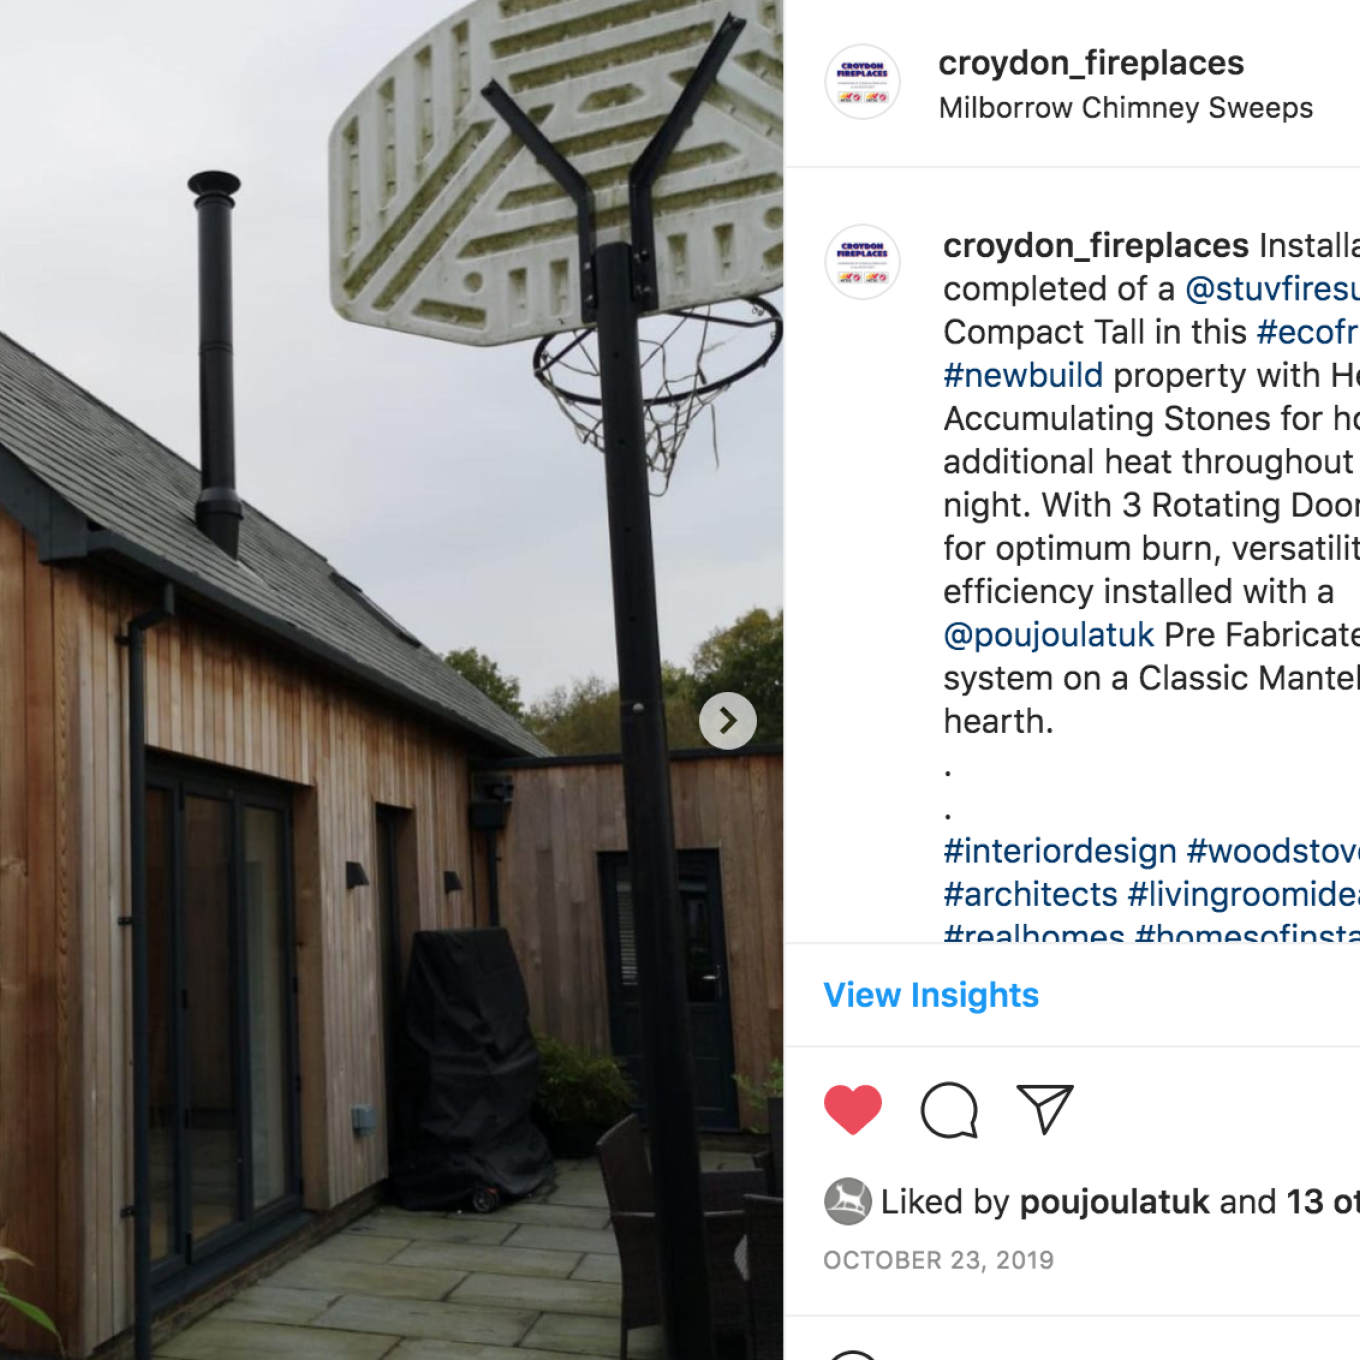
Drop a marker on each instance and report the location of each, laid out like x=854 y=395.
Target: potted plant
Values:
x=760 y=1093
x=581 y=1095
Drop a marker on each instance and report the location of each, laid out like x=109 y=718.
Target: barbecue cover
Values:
x=467 y=1069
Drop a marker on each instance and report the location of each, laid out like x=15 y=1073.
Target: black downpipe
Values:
x=493 y=884
x=134 y=639
x=219 y=510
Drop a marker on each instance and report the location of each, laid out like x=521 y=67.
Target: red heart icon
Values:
x=852 y=1110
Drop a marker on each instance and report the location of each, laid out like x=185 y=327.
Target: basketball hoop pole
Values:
x=662 y=982
x=618 y=286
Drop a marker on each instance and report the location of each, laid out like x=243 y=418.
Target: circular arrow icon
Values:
x=728 y=720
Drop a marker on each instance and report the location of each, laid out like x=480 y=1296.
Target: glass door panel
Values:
x=223 y=1029
x=160 y=887
x=213 y=1116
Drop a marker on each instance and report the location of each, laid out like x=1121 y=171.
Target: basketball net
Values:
x=689 y=358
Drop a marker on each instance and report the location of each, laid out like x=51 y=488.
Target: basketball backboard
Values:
x=444 y=225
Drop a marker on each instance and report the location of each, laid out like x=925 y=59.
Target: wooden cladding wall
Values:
x=42 y=960
x=564 y=816
x=215 y=694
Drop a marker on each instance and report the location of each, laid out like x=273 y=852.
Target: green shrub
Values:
x=761 y=1093
x=576 y=1086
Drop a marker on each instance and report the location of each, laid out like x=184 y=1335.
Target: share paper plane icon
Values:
x=1047 y=1101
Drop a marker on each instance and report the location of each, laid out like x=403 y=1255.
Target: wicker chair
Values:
x=765 y=1285
x=632 y=1212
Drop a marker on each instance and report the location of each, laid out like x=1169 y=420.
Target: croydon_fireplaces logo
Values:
x=861 y=261
x=863 y=81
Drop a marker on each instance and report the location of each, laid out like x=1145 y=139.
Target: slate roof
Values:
x=136 y=498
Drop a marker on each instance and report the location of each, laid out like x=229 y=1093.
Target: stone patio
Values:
x=538 y=1279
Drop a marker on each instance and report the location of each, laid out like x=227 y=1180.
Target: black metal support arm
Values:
x=642 y=177
x=134 y=639
x=573 y=183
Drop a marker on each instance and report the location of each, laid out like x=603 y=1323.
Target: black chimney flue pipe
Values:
x=219 y=510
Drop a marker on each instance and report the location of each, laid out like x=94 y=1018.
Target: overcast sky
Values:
x=439 y=477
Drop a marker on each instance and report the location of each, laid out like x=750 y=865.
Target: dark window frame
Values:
x=191 y=1261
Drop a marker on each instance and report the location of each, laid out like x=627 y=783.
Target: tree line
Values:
x=582 y=716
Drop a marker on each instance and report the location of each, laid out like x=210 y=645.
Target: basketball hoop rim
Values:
x=773 y=318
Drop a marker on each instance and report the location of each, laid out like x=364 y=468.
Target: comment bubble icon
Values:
x=949 y=1110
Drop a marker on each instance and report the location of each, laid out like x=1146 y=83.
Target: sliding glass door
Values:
x=223 y=1027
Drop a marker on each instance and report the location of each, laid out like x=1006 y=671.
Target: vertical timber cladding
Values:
x=565 y=815
x=40 y=1043
x=213 y=694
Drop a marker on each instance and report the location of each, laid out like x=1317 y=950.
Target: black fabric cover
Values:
x=467 y=1069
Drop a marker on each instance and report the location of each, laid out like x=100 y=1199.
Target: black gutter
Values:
x=616 y=758
x=134 y=639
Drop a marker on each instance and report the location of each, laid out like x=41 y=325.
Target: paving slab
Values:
x=462 y=1350
x=590 y=1336
x=544 y=1296
x=550 y=1238
x=273 y=1303
x=499 y=1260
x=553 y=1214
x=583 y=1175
x=367 y=1277
x=603 y=1269
x=212 y=1339
x=433 y=1321
x=433 y=1227
x=587 y=1195
x=361 y=1246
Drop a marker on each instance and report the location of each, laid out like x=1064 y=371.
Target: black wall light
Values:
x=452 y=883
x=355 y=877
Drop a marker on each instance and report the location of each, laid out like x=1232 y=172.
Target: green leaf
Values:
x=30 y=1311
